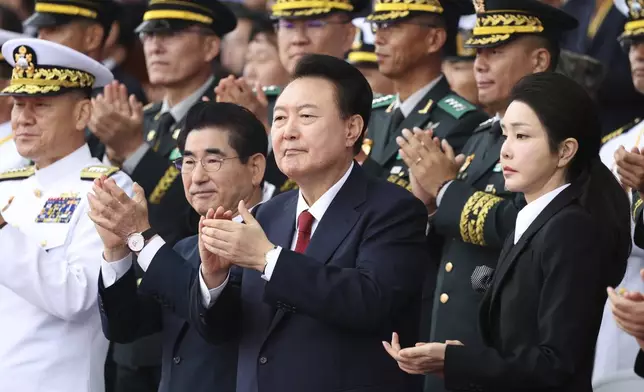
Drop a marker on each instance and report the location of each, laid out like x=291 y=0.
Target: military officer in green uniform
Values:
x=302 y=28
x=410 y=37
x=471 y=212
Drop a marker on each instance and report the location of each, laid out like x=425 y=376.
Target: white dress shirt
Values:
x=9 y=157
x=616 y=350
x=531 y=211
x=51 y=338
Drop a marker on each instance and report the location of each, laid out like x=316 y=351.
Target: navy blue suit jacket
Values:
x=189 y=363
x=317 y=326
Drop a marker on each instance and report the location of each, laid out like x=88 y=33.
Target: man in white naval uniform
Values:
x=9 y=157
x=616 y=350
x=51 y=338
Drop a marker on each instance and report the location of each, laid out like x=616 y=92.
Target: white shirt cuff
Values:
x=131 y=162
x=439 y=197
x=111 y=272
x=271 y=262
x=210 y=296
x=149 y=251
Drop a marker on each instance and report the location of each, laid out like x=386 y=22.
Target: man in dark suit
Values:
x=313 y=305
x=180 y=42
x=410 y=45
x=224 y=156
x=472 y=211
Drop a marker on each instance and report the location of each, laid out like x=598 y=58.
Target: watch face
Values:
x=135 y=242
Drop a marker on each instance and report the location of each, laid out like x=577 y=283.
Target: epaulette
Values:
x=621 y=130
x=272 y=91
x=152 y=107
x=455 y=105
x=382 y=101
x=485 y=124
x=18 y=174
x=91 y=173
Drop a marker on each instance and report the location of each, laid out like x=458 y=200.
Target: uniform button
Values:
x=37 y=193
x=176 y=360
x=448 y=267
x=444 y=298
x=263 y=360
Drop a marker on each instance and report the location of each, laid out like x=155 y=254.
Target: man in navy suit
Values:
x=309 y=308
x=223 y=160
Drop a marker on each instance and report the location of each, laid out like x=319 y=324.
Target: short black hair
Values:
x=353 y=94
x=246 y=134
x=262 y=24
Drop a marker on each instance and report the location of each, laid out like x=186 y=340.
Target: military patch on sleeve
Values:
x=58 y=210
x=91 y=173
x=455 y=106
x=382 y=101
x=18 y=174
x=272 y=91
x=621 y=130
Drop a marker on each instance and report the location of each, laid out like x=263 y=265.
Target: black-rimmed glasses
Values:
x=209 y=163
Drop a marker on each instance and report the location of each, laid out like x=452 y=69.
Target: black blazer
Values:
x=541 y=316
x=317 y=326
x=189 y=363
x=639 y=364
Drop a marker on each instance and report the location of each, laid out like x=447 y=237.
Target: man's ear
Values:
x=93 y=40
x=541 y=60
x=211 y=48
x=82 y=114
x=257 y=165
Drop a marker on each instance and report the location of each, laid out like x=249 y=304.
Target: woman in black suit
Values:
x=541 y=314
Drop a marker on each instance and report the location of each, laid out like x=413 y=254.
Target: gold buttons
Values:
x=37 y=193
x=444 y=298
x=449 y=267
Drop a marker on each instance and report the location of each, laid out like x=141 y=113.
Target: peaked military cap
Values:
x=459 y=51
x=310 y=9
x=176 y=15
x=48 y=13
x=500 y=21
x=46 y=68
x=392 y=10
x=634 y=27
x=363 y=50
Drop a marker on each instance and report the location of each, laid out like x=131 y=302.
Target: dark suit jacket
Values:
x=317 y=326
x=189 y=363
x=541 y=316
x=639 y=364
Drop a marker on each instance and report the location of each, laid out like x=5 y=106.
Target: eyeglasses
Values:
x=384 y=26
x=209 y=163
x=309 y=24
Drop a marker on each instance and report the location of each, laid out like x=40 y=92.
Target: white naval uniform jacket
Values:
x=9 y=157
x=50 y=257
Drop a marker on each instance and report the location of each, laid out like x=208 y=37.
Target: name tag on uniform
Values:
x=58 y=210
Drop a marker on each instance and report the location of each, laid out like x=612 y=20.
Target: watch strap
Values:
x=149 y=233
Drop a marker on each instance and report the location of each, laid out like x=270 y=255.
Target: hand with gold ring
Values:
x=430 y=161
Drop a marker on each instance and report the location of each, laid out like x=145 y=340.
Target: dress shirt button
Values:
x=444 y=298
x=263 y=360
x=448 y=267
x=176 y=360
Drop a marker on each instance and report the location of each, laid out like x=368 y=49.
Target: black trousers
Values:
x=142 y=379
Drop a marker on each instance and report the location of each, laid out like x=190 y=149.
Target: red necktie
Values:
x=304 y=225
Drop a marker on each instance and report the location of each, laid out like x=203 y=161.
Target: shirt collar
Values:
x=179 y=110
x=318 y=209
x=410 y=103
x=531 y=211
x=69 y=165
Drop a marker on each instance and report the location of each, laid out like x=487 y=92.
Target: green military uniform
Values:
x=475 y=211
x=450 y=116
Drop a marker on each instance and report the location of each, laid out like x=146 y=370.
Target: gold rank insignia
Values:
x=58 y=210
x=490 y=189
x=18 y=174
x=467 y=163
x=427 y=107
x=151 y=135
x=175 y=133
x=93 y=172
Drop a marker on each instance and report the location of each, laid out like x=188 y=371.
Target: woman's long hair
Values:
x=567 y=111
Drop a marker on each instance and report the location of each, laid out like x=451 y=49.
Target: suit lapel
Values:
x=511 y=254
x=418 y=117
x=339 y=218
x=491 y=155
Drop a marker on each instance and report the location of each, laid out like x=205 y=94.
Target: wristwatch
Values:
x=136 y=241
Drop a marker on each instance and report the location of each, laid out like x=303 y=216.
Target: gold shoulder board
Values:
x=18 y=174
x=91 y=173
